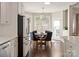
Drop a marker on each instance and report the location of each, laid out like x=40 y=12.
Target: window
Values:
x=57 y=24
x=56 y=28
x=41 y=22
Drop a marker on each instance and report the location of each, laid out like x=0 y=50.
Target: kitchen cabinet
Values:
x=3 y=13
x=6 y=10
x=14 y=47
x=5 y=50
x=26 y=46
x=8 y=47
x=21 y=8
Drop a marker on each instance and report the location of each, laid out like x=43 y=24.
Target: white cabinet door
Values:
x=6 y=12
x=26 y=46
x=20 y=8
x=5 y=50
x=9 y=11
x=14 y=48
x=26 y=49
x=3 y=13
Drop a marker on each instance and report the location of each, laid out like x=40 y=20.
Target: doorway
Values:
x=56 y=28
x=77 y=25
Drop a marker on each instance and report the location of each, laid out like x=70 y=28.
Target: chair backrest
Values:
x=49 y=36
x=34 y=34
x=35 y=31
x=34 y=37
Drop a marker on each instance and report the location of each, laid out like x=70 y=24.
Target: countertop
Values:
x=4 y=39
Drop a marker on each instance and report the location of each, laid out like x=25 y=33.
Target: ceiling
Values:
x=36 y=7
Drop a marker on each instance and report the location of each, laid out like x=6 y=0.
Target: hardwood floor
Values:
x=51 y=49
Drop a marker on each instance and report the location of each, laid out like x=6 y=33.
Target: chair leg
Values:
x=44 y=42
x=36 y=43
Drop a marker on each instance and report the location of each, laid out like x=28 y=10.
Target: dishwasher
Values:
x=5 y=50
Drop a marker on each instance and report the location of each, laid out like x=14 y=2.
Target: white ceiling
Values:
x=53 y=7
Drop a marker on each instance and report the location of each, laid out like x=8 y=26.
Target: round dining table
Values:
x=41 y=36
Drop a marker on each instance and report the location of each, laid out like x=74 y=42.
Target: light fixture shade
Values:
x=46 y=3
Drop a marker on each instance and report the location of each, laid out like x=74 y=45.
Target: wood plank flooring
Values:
x=51 y=49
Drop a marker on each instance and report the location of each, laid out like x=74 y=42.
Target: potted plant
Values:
x=65 y=32
x=66 y=28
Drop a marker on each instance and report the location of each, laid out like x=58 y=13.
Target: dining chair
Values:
x=49 y=36
x=34 y=36
x=35 y=31
x=35 y=39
